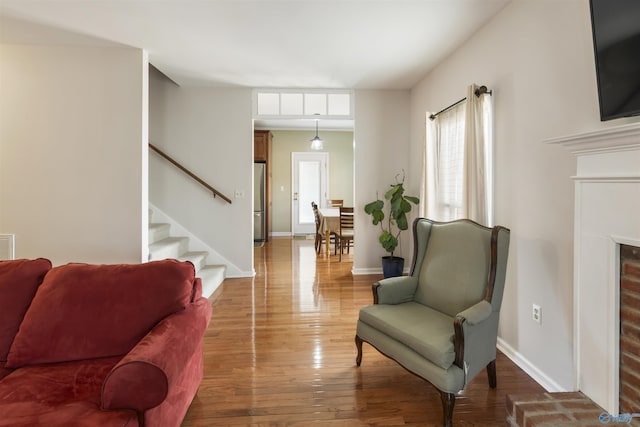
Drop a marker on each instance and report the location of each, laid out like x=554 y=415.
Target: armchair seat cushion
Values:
x=407 y=323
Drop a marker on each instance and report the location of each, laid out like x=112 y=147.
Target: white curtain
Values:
x=427 y=206
x=457 y=162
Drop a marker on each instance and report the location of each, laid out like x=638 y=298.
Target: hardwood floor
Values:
x=280 y=352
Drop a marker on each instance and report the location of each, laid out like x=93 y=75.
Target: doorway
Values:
x=292 y=136
x=309 y=184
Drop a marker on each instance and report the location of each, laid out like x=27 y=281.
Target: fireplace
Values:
x=607 y=220
x=629 y=329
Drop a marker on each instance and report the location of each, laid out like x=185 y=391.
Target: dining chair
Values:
x=334 y=203
x=345 y=235
x=320 y=236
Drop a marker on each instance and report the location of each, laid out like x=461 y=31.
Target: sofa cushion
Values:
x=19 y=280
x=59 y=395
x=4 y=371
x=406 y=323
x=86 y=311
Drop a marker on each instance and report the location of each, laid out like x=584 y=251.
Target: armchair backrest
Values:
x=458 y=264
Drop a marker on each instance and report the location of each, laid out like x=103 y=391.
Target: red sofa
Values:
x=99 y=345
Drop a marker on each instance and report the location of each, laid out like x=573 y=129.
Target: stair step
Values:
x=170 y=247
x=162 y=246
x=158 y=231
x=198 y=259
x=212 y=276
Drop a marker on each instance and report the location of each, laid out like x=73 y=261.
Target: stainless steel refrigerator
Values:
x=259 y=203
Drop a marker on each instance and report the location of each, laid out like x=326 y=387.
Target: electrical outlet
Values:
x=536 y=313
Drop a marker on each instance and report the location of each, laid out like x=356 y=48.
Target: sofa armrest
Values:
x=143 y=378
x=197 y=289
x=395 y=290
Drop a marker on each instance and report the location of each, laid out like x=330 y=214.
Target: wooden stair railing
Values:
x=215 y=192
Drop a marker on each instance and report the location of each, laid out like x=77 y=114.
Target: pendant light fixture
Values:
x=317 y=142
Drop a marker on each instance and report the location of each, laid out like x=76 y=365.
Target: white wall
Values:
x=339 y=146
x=209 y=131
x=73 y=184
x=537 y=57
x=382 y=137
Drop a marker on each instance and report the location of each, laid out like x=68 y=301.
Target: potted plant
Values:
x=392 y=224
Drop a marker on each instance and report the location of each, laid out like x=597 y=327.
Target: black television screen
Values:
x=616 y=40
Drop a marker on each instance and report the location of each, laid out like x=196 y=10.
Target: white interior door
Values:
x=309 y=180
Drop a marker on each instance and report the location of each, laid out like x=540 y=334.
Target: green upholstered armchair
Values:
x=441 y=321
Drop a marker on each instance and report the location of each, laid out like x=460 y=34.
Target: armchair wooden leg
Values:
x=491 y=374
x=448 y=401
x=359 y=347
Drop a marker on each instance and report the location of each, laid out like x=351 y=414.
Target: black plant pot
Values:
x=392 y=266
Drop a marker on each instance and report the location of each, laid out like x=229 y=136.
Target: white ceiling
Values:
x=339 y=44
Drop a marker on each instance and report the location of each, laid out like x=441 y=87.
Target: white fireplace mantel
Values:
x=608 y=139
x=607 y=202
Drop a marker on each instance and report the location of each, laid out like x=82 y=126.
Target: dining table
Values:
x=329 y=221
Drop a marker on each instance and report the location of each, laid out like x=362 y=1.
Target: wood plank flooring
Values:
x=280 y=352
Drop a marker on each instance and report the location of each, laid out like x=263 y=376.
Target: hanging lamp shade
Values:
x=317 y=143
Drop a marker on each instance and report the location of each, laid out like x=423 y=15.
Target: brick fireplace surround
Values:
x=576 y=409
x=630 y=329
x=552 y=409
x=606 y=286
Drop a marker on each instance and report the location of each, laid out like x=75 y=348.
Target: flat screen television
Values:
x=615 y=26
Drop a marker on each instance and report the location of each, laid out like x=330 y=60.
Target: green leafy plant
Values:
x=396 y=218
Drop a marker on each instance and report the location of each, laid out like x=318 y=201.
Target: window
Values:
x=303 y=103
x=451 y=163
x=457 y=165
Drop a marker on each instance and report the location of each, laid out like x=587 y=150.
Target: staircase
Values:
x=162 y=245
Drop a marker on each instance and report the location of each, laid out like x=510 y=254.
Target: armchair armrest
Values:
x=394 y=290
x=143 y=378
x=476 y=331
x=476 y=313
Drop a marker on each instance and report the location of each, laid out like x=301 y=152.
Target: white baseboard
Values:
x=531 y=370
x=280 y=234
x=360 y=271
x=239 y=274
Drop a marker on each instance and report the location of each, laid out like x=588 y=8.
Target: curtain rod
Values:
x=479 y=91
